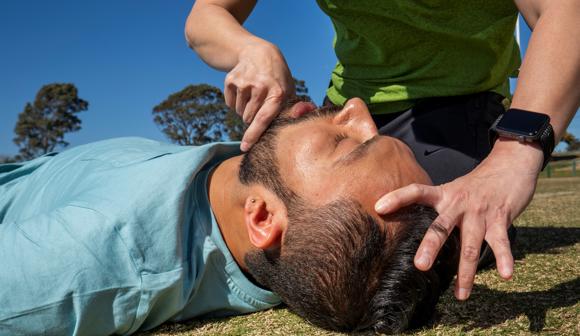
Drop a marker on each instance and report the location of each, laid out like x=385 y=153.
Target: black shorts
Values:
x=449 y=136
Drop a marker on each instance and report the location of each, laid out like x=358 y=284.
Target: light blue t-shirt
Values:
x=114 y=237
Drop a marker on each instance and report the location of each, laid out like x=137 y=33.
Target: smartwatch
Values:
x=525 y=126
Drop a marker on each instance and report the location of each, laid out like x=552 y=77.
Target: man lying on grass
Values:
x=122 y=235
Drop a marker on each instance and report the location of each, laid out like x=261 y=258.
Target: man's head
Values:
x=320 y=245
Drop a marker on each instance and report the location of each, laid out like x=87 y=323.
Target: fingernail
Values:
x=244 y=146
x=382 y=206
x=423 y=261
x=463 y=293
x=506 y=273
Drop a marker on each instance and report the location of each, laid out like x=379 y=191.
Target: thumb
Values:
x=411 y=194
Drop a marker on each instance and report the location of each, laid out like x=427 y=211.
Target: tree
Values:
x=572 y=142
x=42 y=125
x=193 y=116
x=198 y=114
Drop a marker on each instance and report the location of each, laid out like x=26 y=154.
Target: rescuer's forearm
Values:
x=214 y=30
x=549 y=79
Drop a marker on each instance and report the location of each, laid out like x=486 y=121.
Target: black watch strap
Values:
x=547 y=143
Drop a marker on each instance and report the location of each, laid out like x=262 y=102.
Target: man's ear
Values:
x=265 y=219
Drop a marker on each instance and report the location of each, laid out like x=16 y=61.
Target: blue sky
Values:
x=127 y=56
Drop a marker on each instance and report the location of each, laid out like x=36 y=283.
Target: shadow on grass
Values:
x=546 y=240
x=476 y=312
x=489 y=307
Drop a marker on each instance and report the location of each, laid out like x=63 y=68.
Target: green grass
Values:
x=542 y=298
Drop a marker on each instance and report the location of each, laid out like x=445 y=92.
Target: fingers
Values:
x=256 y=101
x=434 y=239
x=242 y=97
x=498 y=240
x=255 y=107
x=245 y=100
x=230 y=93
x=413 y=193
x=472 y=234
x=263 y=118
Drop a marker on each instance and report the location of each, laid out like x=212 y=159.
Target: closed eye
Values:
x=339 y=137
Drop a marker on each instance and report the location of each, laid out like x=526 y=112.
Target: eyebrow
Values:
x=360 y=151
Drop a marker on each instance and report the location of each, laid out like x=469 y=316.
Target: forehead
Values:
x=285 y=122
x=305 y=161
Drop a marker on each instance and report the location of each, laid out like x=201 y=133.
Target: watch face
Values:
x=523 y=122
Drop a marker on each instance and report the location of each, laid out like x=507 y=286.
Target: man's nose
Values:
x=356 y=115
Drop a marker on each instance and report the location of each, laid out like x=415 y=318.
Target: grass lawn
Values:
x=542 y=298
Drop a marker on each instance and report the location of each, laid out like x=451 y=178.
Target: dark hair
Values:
x=338 y=267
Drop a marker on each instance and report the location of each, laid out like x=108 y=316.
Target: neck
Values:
x=227 y=197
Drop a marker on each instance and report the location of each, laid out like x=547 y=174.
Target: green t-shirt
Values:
x=393 y=52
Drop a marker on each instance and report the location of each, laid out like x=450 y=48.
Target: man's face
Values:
x=342 y=155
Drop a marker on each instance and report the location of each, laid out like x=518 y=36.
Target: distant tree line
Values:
x=195 y=115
